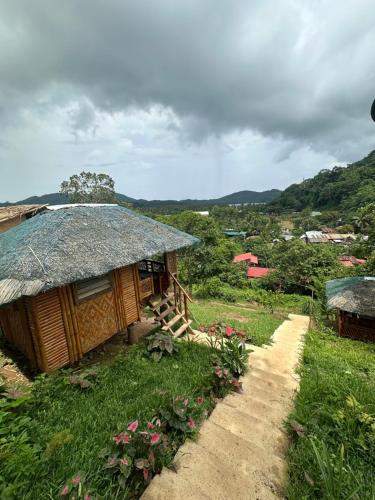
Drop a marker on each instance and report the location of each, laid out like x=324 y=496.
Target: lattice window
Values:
x=88 y=289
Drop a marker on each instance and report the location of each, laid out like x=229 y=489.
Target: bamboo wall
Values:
x=52 y=329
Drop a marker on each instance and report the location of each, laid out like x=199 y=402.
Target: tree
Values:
x=88 y=187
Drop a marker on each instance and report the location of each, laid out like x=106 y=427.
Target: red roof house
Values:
x=250 y=258
x=258 y=272
x=350 y=261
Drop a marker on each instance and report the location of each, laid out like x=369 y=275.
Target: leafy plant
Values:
x=230 y=351
x=182 y=415
x=136 y=453
x=84 y=380
x=160 y=344
x=75 y=489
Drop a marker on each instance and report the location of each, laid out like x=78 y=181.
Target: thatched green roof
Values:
x=62 y=246
x=354 y=295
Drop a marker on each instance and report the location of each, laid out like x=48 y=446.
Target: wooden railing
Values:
x=181 y=297
x=151 y=266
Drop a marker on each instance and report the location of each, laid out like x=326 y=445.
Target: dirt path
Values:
x=240 y=451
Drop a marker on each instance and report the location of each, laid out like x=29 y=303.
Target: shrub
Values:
x=136 y=453
x=182 y=415
x=229 y=360
x=160 y=344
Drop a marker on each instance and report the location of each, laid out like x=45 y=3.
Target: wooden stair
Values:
x=171 y=311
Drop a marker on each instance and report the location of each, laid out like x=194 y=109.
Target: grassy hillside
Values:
x=341 y=188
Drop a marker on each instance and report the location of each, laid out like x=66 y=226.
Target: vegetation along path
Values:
x=240 y=452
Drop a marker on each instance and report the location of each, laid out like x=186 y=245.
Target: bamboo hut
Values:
x=354 y=300
x=73 y=276
x=11 y=216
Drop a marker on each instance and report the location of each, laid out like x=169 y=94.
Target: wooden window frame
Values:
x=93 y=296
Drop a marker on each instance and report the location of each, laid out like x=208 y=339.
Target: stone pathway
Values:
x=240 y=451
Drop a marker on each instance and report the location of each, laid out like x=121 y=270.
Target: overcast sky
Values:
x=183 y=98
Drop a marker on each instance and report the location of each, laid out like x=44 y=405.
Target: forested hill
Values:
x=340 y=188
x=234 y=198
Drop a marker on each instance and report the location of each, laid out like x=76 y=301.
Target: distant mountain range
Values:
x=240 y=197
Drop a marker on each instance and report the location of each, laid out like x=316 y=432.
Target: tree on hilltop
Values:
x=88 y=187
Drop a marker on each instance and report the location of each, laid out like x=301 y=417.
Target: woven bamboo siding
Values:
x=50 y=331
x=97 y=320
x=171 y=262
x=129 y=284
x=15 y=327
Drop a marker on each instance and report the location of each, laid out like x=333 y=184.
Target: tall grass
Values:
x=335 y=456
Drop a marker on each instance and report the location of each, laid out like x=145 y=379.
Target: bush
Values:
x=214 y=289
x=161 y=344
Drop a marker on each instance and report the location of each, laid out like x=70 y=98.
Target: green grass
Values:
x=133 y=387
x=259 y=324
x=335 y=458
x=283 y=302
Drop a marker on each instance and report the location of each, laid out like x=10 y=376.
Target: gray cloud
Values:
x=300 y=74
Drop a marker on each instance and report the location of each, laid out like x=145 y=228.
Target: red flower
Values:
x=76 y=480
x=64 y=491
x=200 y=400
x=229 y=331
x=125 y=438
x=155 y=437
x=88 y=497
x=133 y=426
x=191 y=424
x=145 y=474
x=150 y=425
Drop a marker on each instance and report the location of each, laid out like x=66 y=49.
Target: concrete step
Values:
x=275 y=414
x=170 y=486
x=252 y=459
x=216 y=476
x=253 y=429
x=251 y=382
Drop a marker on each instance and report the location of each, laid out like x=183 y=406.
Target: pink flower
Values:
x=155 y=437
x=150 y=425
x=133 y=426
x=123 y=437
x=145 y=474
x=191 y=424
x=200 y=400
x=218 y=371
x=76 y=480
x=88 y=497
x=158 y=423
x=124 y=461
x=242 y=334
x=229 y=331
x=186 y=402
x=64 y=491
